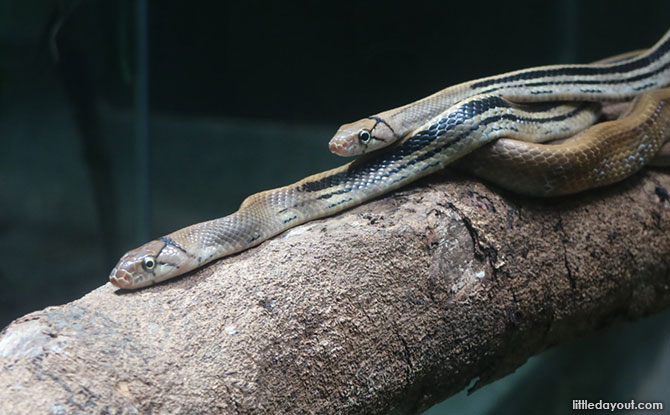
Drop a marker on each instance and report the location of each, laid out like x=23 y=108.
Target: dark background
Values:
x=244 y=96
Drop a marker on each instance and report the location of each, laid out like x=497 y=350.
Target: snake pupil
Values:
x=364 y=136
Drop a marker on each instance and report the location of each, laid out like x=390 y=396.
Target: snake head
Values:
x=153 y=262
x=363 y=136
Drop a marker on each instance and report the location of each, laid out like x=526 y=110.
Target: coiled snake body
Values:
x=616 y=78
x=602 y=154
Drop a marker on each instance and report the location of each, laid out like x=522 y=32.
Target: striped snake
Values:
x=617 y=78
x=604 y=153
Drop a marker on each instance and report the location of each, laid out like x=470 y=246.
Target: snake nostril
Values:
x=120 y=278
x=341 y=148
x=333 y=147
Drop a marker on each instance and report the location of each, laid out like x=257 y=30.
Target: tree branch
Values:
x=392 y=306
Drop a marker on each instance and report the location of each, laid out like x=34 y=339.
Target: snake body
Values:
x=604 y=154
x=617 y=78
x=623 y=146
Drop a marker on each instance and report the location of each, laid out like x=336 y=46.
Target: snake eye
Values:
x=364 y=136
x=149 y=263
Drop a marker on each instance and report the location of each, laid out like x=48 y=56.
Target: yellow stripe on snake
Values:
x=477 y=127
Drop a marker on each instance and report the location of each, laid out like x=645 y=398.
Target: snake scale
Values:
x=475 y=132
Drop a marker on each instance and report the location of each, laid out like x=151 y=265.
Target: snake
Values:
x=478 y=126
x=618 y=78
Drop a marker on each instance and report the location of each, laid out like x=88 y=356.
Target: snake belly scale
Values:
x=461 y=130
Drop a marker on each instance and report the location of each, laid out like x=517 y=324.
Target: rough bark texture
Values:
x=391 y=306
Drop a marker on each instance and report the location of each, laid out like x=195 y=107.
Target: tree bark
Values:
x=389 y=307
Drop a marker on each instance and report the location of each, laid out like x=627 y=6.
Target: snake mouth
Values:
x=334 y=147
x=120 y=278
x=340 y=147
